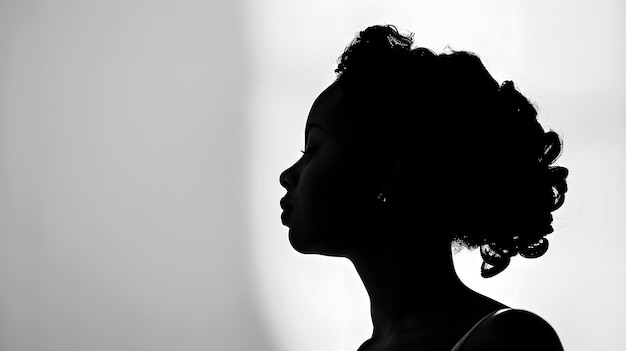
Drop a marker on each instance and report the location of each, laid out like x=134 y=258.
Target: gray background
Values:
x=141 y=143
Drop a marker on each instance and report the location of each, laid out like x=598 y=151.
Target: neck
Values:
x=410 y=288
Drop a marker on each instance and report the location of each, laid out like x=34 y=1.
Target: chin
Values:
x=302 y=243
x=314 y=244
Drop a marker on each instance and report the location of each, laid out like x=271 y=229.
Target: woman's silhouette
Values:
x=407 y=152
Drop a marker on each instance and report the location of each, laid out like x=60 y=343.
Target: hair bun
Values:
x=495 y=260
x=552 y=148
x=489 y=162
x=381 y=46
x=535 y=249
x=385 y=37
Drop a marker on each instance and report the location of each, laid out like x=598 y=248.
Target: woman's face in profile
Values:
x=331 y=196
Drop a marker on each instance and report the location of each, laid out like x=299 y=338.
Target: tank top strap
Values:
x=459 y=344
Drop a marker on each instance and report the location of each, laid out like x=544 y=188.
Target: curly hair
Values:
x=478 y=144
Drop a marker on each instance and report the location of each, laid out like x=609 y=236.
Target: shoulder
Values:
x=513 y=330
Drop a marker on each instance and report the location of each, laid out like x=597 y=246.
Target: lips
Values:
x=284 y=217
x=287 y=207
x=285 y=204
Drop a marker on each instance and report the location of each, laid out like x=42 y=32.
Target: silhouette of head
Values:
x=412 y=147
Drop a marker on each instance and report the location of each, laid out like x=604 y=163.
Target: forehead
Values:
x=329 y=110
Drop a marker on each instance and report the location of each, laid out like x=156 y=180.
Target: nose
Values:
x=288 y=178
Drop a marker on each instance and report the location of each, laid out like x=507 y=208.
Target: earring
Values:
x=382 y=198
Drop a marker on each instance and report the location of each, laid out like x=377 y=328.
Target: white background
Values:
x=141 y=144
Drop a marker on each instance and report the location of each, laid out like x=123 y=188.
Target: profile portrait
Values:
x=409 y=156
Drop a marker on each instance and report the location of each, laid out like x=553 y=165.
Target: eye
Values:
x=308 y=152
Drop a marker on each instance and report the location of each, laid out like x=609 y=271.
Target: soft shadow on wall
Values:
x=122 y=159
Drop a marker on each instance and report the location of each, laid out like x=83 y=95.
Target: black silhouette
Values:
x=406 y=152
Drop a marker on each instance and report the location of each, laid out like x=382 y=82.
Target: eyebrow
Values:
x=308 y=128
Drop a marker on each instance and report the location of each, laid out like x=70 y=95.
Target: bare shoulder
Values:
x=513 y=330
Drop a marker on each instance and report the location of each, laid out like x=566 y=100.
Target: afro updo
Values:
x=478 y=144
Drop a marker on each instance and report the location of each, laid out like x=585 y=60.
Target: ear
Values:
x=391 y=177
